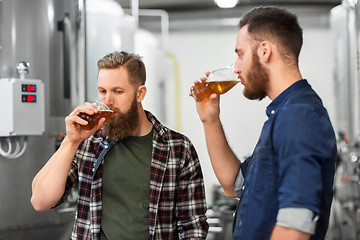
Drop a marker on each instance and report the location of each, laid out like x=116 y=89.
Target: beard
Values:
x=122 y=125
x=257 y=80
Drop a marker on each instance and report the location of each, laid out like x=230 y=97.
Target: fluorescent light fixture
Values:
x=226 y=3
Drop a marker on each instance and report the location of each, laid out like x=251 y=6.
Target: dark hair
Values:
x=132 y=62
x=278 y=25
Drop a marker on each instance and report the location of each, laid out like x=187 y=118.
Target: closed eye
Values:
x=239 y=53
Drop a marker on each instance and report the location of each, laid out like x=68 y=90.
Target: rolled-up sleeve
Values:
x=239 y=182
x=301 y=219
x=301 y=161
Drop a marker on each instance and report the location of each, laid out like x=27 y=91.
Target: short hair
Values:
x=132 y=62
x=278 y=25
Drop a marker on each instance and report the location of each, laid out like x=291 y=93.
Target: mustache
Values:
x=114 y=109
x=122 y=124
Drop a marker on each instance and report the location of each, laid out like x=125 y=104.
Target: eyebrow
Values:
x=111 y=89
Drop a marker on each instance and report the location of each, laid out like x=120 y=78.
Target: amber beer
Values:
x=94 y=119
x=203 y=90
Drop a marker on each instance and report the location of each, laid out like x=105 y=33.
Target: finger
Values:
x=198 y=81
x=75 y=120
x=203 y=79
x=213 y=96
x=87 y=108
x=100 y=123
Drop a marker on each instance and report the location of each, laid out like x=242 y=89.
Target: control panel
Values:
x=22 y=109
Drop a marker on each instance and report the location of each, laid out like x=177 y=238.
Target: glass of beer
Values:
x=104 y=111
x=219 y=81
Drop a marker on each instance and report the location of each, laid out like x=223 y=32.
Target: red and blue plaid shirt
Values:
x=177 y=199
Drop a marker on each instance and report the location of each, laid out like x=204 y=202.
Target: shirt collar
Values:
x=279 y=100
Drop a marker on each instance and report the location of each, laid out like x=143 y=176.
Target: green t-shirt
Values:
x=126 y=189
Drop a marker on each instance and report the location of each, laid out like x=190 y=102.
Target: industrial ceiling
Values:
x=183 y=5
x=201 y=14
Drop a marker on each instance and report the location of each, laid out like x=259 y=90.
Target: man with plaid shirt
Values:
x=136 y=178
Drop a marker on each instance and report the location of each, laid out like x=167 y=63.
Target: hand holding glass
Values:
x=104 y=111
x=219 y=81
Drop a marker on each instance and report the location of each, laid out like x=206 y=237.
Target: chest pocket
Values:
x=260 y=179
x=261 y=171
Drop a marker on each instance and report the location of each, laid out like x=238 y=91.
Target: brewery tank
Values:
x=345 y=212
x=48 y=36
x=60 y=41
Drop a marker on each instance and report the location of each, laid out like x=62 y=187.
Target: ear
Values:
x=141 y=92
x=264 y=51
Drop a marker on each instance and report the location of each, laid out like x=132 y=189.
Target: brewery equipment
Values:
x=48 y=55
x=345 y=214
x=346 y=202
x=221 y=215
x=345 y=28
x=41 y=67
x=22 y=103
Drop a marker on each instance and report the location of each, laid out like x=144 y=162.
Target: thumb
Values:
x=214 y=98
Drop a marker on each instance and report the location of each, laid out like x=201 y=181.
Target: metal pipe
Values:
x=135 y=12
x=164 y=22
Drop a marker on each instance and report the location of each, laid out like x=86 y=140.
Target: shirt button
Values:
x=106 y=146
x=272 y=111
x=93 y=169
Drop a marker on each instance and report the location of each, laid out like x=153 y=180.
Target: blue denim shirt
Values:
x=292 y=166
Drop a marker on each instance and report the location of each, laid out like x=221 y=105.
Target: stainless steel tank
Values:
x=49 y=35
x=108 y=29
x=345 y=214
x=345 y=28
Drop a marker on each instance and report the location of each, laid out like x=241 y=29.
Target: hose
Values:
x=10 y=153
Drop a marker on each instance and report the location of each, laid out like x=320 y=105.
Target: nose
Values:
x=107 y=99
x=237 y=70
x=237 y=67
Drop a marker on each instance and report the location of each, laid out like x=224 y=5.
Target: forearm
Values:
x=49 y=184
x=224 y=162
x=282 y=233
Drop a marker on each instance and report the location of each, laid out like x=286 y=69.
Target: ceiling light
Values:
x=226 y=3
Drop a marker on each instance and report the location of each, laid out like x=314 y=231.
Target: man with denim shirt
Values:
x=285 y=187
x=136 y=178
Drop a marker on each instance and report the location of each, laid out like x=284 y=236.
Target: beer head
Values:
x=226 y=73
x=219 y=81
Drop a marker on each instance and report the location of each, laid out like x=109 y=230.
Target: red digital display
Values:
x=28 y=88
x=28 y=98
